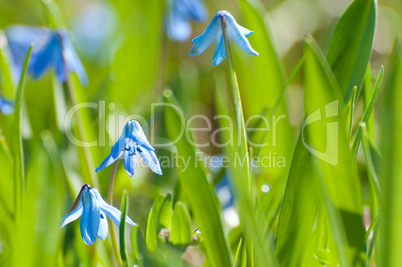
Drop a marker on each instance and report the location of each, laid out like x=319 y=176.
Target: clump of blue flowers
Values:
x=52 y=50
x=6 y=106
x=131 y=142
x=214 y=31
x=93 y=210
x=179 y=15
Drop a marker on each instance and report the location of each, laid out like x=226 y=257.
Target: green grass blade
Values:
x=180 y=232
x=390 y=168
x=198 y=191
x=327 y=140
x=122 y=229
x=351 y=43
x=19 y=175
x=348 y=112
x=153 y=223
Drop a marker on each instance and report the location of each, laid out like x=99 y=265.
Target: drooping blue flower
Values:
x=179 y=15
x=93 y=210
x=6 y=106
x=214 y=30
x=131 y=142
x=52 y=49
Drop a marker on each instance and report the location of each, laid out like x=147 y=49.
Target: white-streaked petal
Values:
x=113 y=213
x=245 y=31
x=109 y=160
x=129 y=162
x=103 y=226
x=135 y=132
x=205 y=39
x=90 y=218
x=237 y=35
x=72 y=216
x=150 y=159
x=220 y=50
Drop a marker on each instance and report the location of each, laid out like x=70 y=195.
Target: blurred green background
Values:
x=131 y=64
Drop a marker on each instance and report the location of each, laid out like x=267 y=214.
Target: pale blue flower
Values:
x=214 y=30
x=52 y=49
x=6 y=106
x=179 y=15
x=93 y=210
x=131 y=142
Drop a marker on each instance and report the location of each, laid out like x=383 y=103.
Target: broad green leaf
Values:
x=390 y=172
x=299 y=204
x=351 y=43
x=6 y=86
x=122 y=228
x=328 y=143
x=139 y=246
x=165 y=216
x=153 y=223
x=198 y=191
x=180 y=232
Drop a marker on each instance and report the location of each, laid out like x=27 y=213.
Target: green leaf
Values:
x=348 y=112
x=197 y=189
x=351 y=43
x=139 y=246
x=122 y=229
x=19 y=175
x=390 y=172
x=299 y=204
x=180 y=232
x=237 y=252
x=153 y=223
x=328 y=143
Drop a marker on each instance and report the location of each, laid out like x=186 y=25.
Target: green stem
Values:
x=110 y=201
x=19 y=174
x=93 y=180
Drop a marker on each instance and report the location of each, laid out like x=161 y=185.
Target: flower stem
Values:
x=93 y=180
x=110 y=201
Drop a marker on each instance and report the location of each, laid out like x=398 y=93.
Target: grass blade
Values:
x=122 y=229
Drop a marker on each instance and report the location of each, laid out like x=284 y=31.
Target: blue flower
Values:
x=93 y=210
x=52 y=49
x=6 y=106
x=214 y=30
x=180 y=12
x=131 y=141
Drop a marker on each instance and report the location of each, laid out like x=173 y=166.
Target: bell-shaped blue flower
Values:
x=52 y=49
x=6 y=106
x=179 y=15
x=93 y=210
x=132 y=142
x=214 y=30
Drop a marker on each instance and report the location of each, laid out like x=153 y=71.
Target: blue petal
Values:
x=220 y=50
x=72 y=216
x=245 y=31
x=90 y=218
x=205 y=39
x=109 y=160
x=6 y=107
x=135 y=132
x=46 y=57
x=113 y=213
x=235 y=33
x=103 y=226
x=194 y=9
x=177 y=26
x=129 y=162
x=150 y=159
x=72 y=60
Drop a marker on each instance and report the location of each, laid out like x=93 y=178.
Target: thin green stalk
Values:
x=80 y=125
x=110 y=201
x=241 y=187
x=17 y=139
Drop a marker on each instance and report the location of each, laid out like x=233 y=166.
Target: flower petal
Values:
x=129 y=162
x=103 y=226
x=72 y=60
x=109 y=160
x=245 y=31
x=220 y=50
x=72 y=216
x=150 y=159
x=205 y=39
x=48 y=56
x=177 y=26
x=90 y=218
x=195 y=9
x=113 y=213
x=135 y=132
x=235 y=33
x=6 y=107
